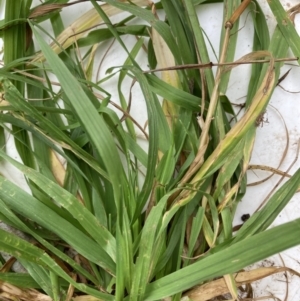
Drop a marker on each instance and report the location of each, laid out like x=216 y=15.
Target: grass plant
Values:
x=106 y=218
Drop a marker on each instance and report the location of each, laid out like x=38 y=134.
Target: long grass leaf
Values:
x=144 y=264
x=23 y=249
x=88 y=117
x=261 y=220
x=19 y=279
x=18 y=224
x=286 y=26
x=38 y=212
x=71 y=204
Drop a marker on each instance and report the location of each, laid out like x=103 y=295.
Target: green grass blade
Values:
x=173 y=94
x=123 y=73
x=12 y=36
x=19 y=279
x=22 y=249
x=261 y=220
x=18 y=224
x=143 y=267
x=48 y=128
x=88 y=117
x=33 y=209
x=39 y=274
x=71 y=204
x=226 y=261
x=195 y=231
x=125 y=257
x=229 y=7
x=286 y=26
x=199 y=42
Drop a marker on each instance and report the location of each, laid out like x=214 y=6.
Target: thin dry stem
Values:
x=227 y=64
x=210 y=113
x=237 y=13
x=267 y=168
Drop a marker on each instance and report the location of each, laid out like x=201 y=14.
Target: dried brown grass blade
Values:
x=80 y=28
x=165 y=59
x=57 y=168
x=47 y=9
x=11 y=292
x=219 y=287
x=237 y=13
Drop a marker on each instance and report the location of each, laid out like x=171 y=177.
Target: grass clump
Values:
x=116 y=222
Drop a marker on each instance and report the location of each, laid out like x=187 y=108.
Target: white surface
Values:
x=271 y=137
